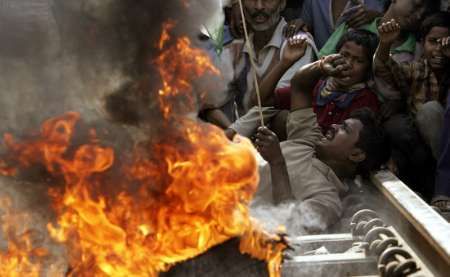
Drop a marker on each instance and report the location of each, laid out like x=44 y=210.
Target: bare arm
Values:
x=217 y=117
x=295 y=49
x=303 y=82
x=389 y=32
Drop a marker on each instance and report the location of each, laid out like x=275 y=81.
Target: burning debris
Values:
x=136 y=214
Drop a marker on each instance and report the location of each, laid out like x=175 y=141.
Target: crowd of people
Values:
x=346 y=87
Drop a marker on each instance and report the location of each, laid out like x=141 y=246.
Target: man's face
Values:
x=359 y=62
x=340 y=140
x=432 y=47
x=263 y=14
x=409 y=13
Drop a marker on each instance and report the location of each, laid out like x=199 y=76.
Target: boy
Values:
x=408 y=14
x=334 y=98
x=419 y=83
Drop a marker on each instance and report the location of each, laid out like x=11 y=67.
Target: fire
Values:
x=21 y=257
x=179 y=65
x=170 y=200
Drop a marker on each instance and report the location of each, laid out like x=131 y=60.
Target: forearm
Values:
x=382 y=54
x=217 y=117
x=302 y=85
x=281 y=187
x=306 y=78
x=268 y=84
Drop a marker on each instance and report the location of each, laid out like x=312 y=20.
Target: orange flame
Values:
x=170 y=201
x=179 y=65
x=21 y=258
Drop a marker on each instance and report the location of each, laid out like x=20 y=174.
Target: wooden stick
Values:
x=252 y=62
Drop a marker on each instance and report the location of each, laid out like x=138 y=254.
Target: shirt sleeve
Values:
x=302 y=124
x=397 y=75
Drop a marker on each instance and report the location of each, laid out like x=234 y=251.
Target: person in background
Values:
x=419 y=82
x=266 y=34
x=334 y=99
x=441 y=199
x=323 y=17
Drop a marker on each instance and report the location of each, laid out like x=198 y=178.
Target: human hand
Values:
x=293 y=27
x=294 y=50
x=445 y=46
x=268 y=146
x=389 y=32
x=335 y=65
x=358 y=15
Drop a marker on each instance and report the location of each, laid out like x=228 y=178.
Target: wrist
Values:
x=386 y=44
x=285 y=64
x=320 y=66
x=278 y=161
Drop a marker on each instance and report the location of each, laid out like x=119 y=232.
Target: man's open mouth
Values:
x=329 y=135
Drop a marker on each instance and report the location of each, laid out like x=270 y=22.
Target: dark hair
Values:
x=430 y=5
x=439 y=19
x=364 y=38
x=372 y=140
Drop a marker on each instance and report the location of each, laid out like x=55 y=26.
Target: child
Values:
x=419 y=82
x=334 y=98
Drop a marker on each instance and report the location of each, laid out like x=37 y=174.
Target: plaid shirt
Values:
x=415 y=80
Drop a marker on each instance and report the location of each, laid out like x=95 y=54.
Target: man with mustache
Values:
x=266 y=37
x=421 y=84
x=308 y=168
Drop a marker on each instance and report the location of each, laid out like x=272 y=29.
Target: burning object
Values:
x=173 y=198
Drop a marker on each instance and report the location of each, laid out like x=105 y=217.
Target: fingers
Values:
x=389 y=27
x=265 y=137
x=445 y=42
x=293 y=27
x=358 y=18
x=298 y=41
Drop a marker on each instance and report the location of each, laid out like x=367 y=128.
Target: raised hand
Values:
x=294 y=50
x=335 y=65
x=268 y=145
x=389 y=32
x=357 y=16
x=293 y=27
x=445 y=46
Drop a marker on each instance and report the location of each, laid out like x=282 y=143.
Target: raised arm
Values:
x=303 y=82
x=389 y=33
x=295 y=49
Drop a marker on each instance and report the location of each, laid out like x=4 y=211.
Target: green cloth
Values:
x=330 y=46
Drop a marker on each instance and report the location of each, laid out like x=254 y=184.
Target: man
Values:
x=323 y=17
x=309 y=168
x=266 y=36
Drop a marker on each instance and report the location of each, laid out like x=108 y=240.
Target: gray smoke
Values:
x=88 y=56
x=68 y=55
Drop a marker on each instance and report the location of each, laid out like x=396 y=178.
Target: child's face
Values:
x=356 y=56
x=432 y=47
x=409 y=13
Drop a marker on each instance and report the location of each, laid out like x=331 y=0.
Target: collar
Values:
x=277 y=37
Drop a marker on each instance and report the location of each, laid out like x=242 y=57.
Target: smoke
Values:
x=70 y=55
x=89 y=56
